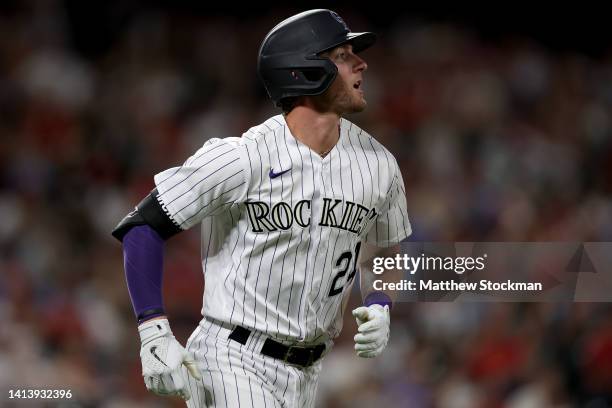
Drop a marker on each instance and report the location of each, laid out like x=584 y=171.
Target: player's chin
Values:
x=359 y=105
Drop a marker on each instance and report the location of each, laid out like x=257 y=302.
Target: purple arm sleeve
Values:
x=143 y=256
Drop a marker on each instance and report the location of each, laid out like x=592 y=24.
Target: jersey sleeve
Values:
x=207 y=183
x=391 y=225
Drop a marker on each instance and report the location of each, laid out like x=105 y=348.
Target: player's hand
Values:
x=373 y=330
x=162 y=357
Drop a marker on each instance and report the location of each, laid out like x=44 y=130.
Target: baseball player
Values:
x=286 y=212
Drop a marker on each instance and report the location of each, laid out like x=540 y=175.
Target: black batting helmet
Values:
x=289 y=64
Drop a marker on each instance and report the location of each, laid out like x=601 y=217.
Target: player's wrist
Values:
x=153 y=329
x=150 y=314
x=378 y=298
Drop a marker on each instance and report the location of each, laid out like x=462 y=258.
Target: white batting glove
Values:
x=162 y=357
x=373 y=330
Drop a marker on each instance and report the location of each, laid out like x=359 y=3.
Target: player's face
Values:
x=345 y=95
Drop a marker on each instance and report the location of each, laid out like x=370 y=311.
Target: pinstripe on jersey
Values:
x=281 y=225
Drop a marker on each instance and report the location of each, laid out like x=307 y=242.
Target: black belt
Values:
x=297 y=355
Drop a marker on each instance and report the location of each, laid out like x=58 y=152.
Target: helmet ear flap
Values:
x=311 y=74
x=310 y=77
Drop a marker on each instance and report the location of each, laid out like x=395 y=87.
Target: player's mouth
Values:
x=357 y=86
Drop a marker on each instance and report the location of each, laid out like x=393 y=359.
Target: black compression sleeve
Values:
x=150 y=212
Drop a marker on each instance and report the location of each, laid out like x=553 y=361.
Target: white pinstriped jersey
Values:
x=281 y=226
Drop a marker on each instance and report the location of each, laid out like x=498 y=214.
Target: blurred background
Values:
x=500 y=119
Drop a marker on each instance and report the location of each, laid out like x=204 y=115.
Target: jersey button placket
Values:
x=314 y=225
x=326 y=174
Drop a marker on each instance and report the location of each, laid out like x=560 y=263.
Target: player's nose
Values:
x=360 y=64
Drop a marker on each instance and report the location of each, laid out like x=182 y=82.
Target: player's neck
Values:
x=318 y=131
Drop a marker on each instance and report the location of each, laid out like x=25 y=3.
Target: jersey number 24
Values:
x=344 y=262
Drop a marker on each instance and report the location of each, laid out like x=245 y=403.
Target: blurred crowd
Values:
x=497 y=140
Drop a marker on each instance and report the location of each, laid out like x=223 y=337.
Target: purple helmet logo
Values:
x=340 y=20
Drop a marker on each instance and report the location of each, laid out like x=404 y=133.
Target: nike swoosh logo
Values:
x=156 y=356
x=280 y=173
